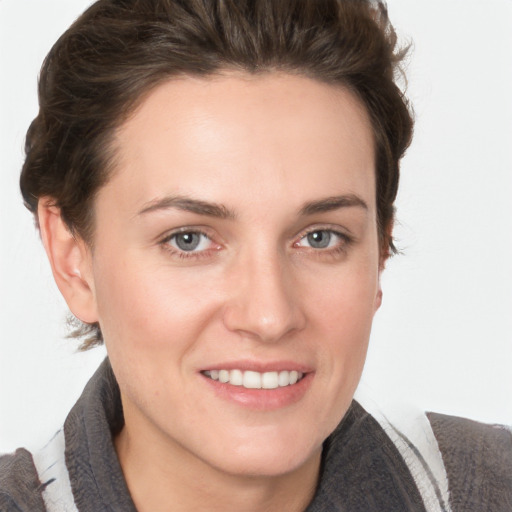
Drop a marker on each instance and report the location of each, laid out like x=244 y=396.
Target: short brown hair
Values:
x=119 y=50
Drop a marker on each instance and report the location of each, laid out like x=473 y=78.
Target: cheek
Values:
x=342 y=313
x=147 y=308
x=345 y=302
x=151 y=322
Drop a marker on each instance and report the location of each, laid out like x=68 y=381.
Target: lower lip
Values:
x=261 y=399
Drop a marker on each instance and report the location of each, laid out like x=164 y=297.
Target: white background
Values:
x=443 y=337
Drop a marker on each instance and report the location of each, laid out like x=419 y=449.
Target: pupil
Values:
x=187 y=241
x=319 y=239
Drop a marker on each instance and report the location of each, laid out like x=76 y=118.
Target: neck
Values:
x=162 y=478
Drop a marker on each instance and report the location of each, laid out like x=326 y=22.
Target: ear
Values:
x=387 y=248
x=384 y=254
x=70 y=260
x=378 y=296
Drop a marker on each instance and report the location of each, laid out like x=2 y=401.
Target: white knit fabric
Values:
x=411 y=433
x=51 y=465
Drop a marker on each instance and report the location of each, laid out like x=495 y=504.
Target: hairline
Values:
x=109 y=153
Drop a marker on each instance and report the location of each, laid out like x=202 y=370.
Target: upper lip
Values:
x=260 y=366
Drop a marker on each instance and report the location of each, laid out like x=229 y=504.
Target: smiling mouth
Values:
x=255 y=380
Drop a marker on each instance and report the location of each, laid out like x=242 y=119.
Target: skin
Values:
x=255 y=290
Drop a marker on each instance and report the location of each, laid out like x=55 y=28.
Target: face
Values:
x=235 y=269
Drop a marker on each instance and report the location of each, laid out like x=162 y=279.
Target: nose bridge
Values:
x=263 y=303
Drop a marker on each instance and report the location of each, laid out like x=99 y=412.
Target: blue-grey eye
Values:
x=188 y=241
x=319 y=239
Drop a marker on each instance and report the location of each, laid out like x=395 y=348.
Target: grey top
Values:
x=362 y=469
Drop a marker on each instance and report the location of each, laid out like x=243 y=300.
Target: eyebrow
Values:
x=333 y=203
x=189 y=205
x=220 y=211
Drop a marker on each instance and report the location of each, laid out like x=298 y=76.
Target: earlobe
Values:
x=70 y=262
x=378 y=296
x=378 y=299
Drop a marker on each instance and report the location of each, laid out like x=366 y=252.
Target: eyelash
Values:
x=341 y=248
x=185 y=254
x=345 y=241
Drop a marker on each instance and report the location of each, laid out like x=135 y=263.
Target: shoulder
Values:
x=457 y=464
x=478 y=462
x=20 y=488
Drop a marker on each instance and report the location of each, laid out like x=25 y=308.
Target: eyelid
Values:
x=164 y=240
x=339 y=250
x=202 y=230
x=335 y=229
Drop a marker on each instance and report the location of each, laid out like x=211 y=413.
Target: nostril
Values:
x=264 y=304
x=266 y=327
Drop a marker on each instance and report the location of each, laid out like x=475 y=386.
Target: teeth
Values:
x=270 y=380
x=255 y=380
x=284 y=379
x=236 y=377
x=252 y=380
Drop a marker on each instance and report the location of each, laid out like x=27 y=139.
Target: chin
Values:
x=268 y=466
x=267 y=455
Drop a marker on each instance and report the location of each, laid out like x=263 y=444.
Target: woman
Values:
x=214 y=185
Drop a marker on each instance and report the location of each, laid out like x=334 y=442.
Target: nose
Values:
x=264 y=304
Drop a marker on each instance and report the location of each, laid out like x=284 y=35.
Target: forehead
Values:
x=242 y=137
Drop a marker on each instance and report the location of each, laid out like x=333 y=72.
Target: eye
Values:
x=189 y=241
x=322 y=239
x=319 y=239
